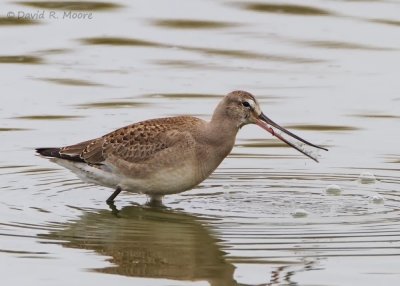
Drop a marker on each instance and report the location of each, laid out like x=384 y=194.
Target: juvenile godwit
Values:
x=165 y=156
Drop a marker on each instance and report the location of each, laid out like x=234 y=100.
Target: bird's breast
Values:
x=171 y=180
x=210 y=158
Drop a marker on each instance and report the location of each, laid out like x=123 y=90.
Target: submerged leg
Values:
x=155 y=201
x=113 y=208
x=110 y=200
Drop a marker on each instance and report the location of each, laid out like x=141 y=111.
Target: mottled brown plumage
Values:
x=166 y=155
x=135 y=143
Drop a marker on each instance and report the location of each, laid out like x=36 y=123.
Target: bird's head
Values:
x=242 y=108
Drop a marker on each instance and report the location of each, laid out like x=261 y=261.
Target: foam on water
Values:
x=366 y=178
x=333 y=190
x=299 y=213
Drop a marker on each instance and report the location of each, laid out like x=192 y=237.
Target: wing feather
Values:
x=141 y=141
x=135 y=143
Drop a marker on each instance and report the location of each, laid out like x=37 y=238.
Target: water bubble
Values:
x=333 y=190
x=377 y=199
x=367 y=178
x=298 y=213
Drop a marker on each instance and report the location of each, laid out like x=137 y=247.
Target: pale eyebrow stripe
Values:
x=252 y=103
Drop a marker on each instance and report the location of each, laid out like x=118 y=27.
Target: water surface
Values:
x=328 y=70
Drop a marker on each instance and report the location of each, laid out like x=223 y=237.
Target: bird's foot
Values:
x=113 y=208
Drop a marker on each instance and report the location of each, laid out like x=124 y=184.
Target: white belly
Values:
x=167 y=181
x=89 y=173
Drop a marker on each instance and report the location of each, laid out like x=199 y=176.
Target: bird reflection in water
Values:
x=156 y=242
x=150 y=242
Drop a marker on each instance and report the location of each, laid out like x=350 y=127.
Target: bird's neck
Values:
x=218 y=138
x=222 y=131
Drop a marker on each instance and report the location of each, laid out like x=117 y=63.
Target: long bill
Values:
x=266 y=123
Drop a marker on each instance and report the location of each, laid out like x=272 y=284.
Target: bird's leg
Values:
x=155 y=201
x=110 y=200
x=113 y=208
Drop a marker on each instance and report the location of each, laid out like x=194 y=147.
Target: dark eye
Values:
x=245 y=104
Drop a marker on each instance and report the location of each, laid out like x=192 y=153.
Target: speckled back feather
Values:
x=134 y=143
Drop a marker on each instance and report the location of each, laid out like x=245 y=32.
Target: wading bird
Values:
x=165 y=156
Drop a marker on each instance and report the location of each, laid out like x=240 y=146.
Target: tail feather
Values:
x=49 y=152
x=55 y=153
